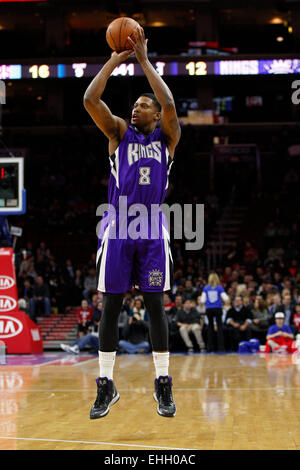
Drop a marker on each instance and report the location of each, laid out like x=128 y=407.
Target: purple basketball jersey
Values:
x=140 y=168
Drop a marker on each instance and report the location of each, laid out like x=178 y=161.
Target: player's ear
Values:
x=158 y=116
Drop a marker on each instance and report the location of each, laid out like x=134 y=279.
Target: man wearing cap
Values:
x=280 y=337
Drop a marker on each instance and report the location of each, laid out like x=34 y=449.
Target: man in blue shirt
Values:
x=279 y=336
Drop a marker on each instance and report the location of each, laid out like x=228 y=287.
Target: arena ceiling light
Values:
x=276 y=20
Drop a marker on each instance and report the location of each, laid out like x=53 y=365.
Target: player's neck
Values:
x=145 y=130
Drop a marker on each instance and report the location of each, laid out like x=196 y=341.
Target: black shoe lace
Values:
x=165 y=394
x=102 y=394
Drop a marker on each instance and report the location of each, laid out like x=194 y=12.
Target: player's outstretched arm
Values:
x=112 y=126
x=169 y=120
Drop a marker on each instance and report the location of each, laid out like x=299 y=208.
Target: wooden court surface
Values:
x=224 y=402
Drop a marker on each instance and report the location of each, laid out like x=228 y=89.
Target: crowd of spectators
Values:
x=254 y=294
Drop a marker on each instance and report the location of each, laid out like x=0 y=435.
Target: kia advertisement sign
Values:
x=19 y=333
x=9 y=327
x=6 y=282
x=8 y=286
x=7 y=304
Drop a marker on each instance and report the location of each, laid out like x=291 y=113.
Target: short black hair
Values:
x=153 y=98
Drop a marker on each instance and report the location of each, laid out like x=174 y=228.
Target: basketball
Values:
x=118 y=32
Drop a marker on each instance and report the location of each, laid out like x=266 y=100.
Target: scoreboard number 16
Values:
x=39 y=71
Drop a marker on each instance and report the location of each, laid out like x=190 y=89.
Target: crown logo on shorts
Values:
x=155 y=278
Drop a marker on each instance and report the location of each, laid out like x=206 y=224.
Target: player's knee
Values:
x=154 y=302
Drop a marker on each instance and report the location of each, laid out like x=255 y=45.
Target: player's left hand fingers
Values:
x=139 y=34
x=131 y=41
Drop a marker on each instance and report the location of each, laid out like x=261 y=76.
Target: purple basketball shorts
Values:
x=121 y=264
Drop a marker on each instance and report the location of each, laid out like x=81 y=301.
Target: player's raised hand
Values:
x=118 y=57
x=139 y=44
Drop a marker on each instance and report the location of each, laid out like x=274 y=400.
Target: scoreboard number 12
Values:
x=196 y=68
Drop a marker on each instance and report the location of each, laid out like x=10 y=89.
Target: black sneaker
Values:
x=106 y=395
x=163 y=395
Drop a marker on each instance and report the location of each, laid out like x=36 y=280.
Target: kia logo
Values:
x=6 y=282
x=9 y=326
x=7 y=303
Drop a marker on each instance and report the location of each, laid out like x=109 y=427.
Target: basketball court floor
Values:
x=224 y=402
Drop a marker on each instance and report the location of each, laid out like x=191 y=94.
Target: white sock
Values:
x=161 y=363
x=106 y=363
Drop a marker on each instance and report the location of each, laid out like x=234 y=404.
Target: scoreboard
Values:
x=12 y=192
x=173 y=68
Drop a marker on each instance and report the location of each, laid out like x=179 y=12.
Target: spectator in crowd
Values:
x=68 y=277
x=280 y=336
x=69 y=271
x=238 y=319
x=247 y=302
x=178 y=303
x=23 y=267
x=40 y=265
x=57 y=295
x=138 y=307
x=269 y=301
x=91 y=339
x=265 y=288
x=23 y=306
x=180 y=290
x=276 y=304
x=177 y=277
x=200 y=307
x=77 y=287
x=96 y=317
x=94 y=301
x=30 y=269
x=88 y=340
x=168 y=304
x=40 y=298
x=84 y=315
x=295 y=292
x=25 y=290
x=174 y=336
x=277 y=281
x=227 y=274
x=287 y=308
x=189 y=292
x=212 y=296
x=261 y=319
x=126 y=311
x=286 y=284
x=189 y=321
x=136 y=336
x=90 y=284
x=296 y=317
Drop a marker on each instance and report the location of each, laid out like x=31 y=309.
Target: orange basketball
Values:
x=118 y=31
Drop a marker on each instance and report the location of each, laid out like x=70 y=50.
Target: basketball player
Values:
x=140 y=157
